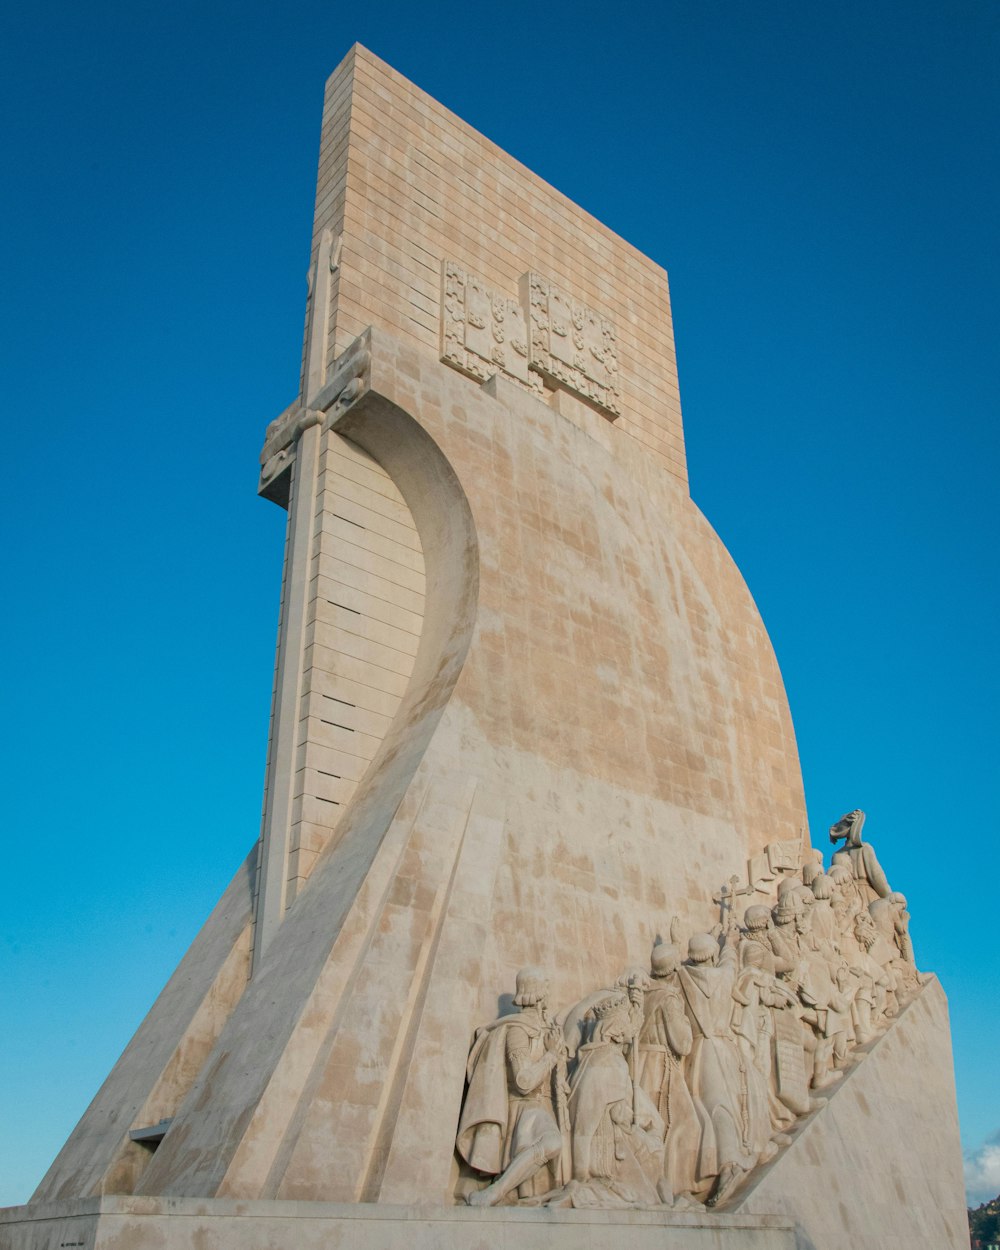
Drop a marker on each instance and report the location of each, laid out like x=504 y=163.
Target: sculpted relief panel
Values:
x=571 y=344
x=670 y=1086
x=547 y=335
x=482 y=330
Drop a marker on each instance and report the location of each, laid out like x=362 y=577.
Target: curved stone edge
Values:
x=243 y=1115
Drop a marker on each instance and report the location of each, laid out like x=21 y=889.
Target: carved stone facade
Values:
x=524 y=709
x=482 y=330
x=571 y=344
x=548 y=336
x=671 y=1088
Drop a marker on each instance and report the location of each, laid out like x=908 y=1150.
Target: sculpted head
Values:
x=613 y=1024
x=849 y=828
x=812 y=865
x=757 y=919
x=531 y=988
x=665 y=959
x=702 y=949
x=822 y=887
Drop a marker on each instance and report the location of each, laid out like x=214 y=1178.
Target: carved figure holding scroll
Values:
x=513 y=1122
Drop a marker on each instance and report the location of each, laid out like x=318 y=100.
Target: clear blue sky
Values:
x=821 y=183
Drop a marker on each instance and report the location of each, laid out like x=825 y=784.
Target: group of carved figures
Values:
x=672 y=1085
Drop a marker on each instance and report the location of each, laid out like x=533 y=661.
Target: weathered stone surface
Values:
x=531 y=795
x=220 y=1224
x=404 y=185
x=525 y=714
x=881 y=1163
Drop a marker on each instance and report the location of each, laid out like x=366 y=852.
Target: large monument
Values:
x=533 y=949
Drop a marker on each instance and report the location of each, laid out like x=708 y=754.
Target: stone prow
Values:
x=250 y=1107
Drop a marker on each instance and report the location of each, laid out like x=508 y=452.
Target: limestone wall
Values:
x=608 y=744
x=526 y=709
x=145 y=1224
x=405 y=184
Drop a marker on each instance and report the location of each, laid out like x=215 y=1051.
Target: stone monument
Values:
x=533 y=948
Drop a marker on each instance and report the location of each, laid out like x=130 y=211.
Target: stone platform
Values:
x=125 y=1223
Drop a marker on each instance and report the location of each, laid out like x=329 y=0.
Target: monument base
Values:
x=127 y=1223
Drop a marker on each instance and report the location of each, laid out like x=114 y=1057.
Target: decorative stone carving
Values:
x=281 y=437
x=775 y=862
x=665 y=1041
x=483 y=332
x=546 y=335
x=514 y=1122
x=859 y=856
x=669 y=1089
x=617 y=1136
x=571 y=345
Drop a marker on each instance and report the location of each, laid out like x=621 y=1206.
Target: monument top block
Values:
x=440 y=237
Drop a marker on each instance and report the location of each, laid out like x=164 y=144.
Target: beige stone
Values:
x=571 y=725
x=525 y=713
x=116 y=1223
x=870 y=1168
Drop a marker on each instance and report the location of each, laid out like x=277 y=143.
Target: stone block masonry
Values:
x=528 y=734
x=405 y=184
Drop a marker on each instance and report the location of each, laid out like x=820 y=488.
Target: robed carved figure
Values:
x=514 y=1120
